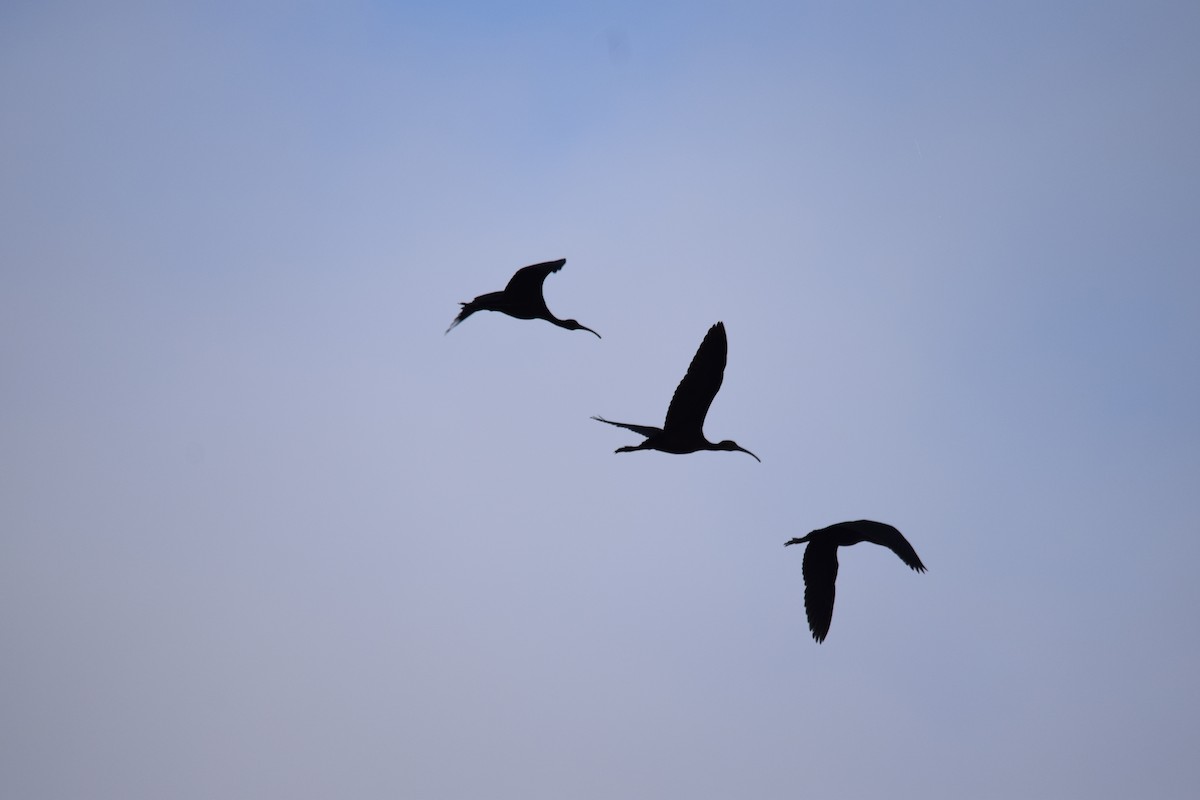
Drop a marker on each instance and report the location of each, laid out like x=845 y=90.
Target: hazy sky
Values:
x=266 y=532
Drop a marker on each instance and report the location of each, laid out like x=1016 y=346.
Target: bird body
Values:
x=683 y=430
x=522 y=298
x=820 y=566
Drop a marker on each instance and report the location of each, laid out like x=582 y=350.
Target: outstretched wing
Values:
x=820 y=577
x=699 y=386
x=644 y=430
x=883 y=534
x=491 y=300
x=528 y=280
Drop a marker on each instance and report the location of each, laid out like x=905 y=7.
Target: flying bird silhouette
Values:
x=821 y=563
x=683 y=431
x=522 y=298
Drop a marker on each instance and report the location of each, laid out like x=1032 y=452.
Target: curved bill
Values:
x=744 y=450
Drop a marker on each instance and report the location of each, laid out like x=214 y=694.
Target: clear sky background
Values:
x=266 y=532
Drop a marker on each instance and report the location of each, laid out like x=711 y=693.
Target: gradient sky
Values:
x=266 y=532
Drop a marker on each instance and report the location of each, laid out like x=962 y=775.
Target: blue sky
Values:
x=265 y=531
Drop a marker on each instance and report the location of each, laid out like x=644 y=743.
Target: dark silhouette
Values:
x=522 y=298
x=683 y=432
x=821 y=563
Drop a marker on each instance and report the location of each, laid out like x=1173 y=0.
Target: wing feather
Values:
x=491 y=300
x=820 y=576
x=529 y=279
x=883 y=534
x=644 y=430
x=695 y=393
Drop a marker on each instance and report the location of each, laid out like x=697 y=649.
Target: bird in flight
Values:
x=821 y=563
x=522 y=298
x=683 y=431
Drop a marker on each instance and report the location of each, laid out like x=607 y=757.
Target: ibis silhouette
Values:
x=821 y=563
x=522 y=298
x=683 y=431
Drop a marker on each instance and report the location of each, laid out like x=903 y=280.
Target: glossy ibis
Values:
x=683 y=431
x=522 y=298
x=821 y=563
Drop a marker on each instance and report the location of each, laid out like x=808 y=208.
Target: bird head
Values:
x=800 y=540
x=729 y=444
x=572 y=325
